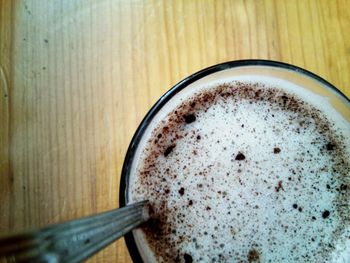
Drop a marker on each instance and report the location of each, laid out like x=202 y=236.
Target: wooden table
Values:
x=77 y=77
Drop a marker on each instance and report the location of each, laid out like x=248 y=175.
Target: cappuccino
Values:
x=248 y=169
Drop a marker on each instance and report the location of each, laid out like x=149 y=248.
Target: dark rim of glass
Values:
x=124 y=181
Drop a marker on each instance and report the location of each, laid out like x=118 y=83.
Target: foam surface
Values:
x=245 y=171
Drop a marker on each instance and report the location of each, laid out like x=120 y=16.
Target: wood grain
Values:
x=76 y=78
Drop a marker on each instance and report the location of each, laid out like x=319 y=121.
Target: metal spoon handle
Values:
x=75 y=240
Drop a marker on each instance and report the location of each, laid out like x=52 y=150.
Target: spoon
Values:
x=75 y=240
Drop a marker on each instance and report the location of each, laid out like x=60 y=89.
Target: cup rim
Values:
x=124 y=179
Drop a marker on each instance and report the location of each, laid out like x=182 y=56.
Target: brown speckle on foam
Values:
x=325 y=214
x=169 y=149
x=188 y=258
x=330 y=146
x=190 y=118
x=240 y=157
x=182 y=191
x=276 y=150
x=279 y=186
x=253 y=256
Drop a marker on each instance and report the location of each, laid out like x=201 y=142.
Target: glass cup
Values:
x=263 y=68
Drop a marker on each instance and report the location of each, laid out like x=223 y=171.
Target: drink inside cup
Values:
x=245 y=165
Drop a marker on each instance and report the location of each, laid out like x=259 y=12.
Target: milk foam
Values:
x=246 y=179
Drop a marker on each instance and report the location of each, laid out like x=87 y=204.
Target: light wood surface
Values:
x=77 y=77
